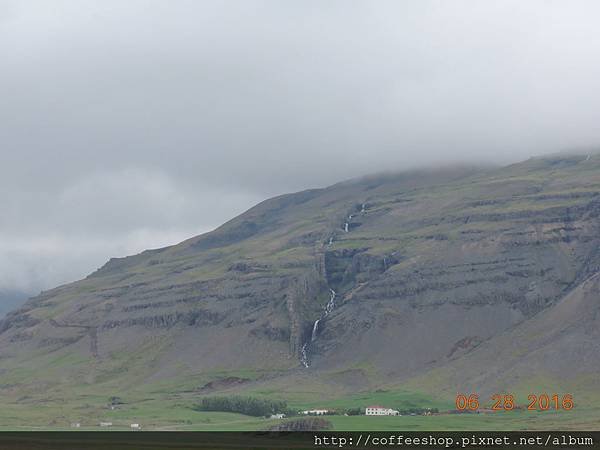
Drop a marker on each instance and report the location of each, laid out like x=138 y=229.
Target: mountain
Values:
x=560 y=343
x=464 y=277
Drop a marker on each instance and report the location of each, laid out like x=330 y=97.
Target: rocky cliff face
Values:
x=424 y=267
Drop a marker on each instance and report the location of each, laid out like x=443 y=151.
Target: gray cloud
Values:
x=126 y=125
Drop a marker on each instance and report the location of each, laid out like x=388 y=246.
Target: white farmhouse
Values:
x=277 y=416
x=380 y=411
x=135 y=426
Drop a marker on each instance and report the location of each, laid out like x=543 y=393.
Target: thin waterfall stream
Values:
x=315 y=329
x=304 y=360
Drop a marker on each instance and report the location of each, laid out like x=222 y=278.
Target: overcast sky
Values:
x=127 y=125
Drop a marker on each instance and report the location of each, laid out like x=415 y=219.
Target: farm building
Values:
x=380 y=411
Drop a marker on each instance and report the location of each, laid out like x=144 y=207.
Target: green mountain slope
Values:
x=409 y=276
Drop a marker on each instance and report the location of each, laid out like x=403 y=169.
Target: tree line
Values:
x=250 y=406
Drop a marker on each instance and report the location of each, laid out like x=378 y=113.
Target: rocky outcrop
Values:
x=302 y=301
x=223 y=383
x=190 y=318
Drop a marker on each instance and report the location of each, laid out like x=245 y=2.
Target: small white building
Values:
x=106 y=424
x=316 y=412
x=380 y=411
x=135 y=426
x=75 y=425
x=277 y=416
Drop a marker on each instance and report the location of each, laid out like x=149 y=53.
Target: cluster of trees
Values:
x=115 y=401
x=250 y=406
x=310 y=424
x=355 y=411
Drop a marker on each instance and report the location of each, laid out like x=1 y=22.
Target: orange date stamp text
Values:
x=507 y=402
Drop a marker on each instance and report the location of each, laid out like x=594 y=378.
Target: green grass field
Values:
x=164 y=411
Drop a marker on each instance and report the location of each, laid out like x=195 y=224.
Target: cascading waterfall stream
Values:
x=313 y=336
x=347 y=224
x=304 y=356
x=330 y=304
x=328 y=308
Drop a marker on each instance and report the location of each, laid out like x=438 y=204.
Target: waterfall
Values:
x=304 y=356
x=328 y=308
x=330 y=304
x=347 y=223
x=362 y=208
x=330 y=241
x=314 y=331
